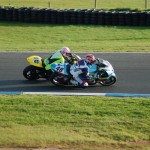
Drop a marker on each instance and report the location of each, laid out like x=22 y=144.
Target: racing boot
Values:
x=84 y=84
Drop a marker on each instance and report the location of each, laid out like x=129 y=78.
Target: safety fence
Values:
x=75 y=16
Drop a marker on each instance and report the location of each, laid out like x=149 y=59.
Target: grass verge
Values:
x=44 y=37
x=73 y=121
x=77 y=4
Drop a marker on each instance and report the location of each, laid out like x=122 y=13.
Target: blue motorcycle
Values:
x=101 y=73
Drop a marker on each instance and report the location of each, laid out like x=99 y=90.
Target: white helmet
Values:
x=65 y=51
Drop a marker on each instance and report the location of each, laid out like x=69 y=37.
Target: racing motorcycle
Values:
x=36 y=69
x=101 y=73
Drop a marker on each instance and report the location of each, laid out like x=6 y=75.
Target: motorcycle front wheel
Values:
x=109 y=81
x=31 y=72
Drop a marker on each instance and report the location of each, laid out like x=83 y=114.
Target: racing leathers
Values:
x=54 y=58
x=79 y=70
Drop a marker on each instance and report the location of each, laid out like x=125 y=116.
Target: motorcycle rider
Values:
x=80 y=69
x=58 y=57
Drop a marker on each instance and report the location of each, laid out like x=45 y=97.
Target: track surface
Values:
x=132 y=70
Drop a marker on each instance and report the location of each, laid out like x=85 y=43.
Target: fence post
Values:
x=95 y=3
x=49 y=4
x=145 y=4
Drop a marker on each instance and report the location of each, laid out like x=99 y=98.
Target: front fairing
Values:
x=102 y=73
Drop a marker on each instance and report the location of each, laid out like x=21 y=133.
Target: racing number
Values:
x=36 y=60
x=59 y=69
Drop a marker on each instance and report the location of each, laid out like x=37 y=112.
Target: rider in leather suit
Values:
x=81 y=69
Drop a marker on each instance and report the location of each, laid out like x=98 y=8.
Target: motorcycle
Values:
x=101 y=73
x=36 y=69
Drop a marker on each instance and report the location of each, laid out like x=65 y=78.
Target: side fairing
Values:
x=61 y=68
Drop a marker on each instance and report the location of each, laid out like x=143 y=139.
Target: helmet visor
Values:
x=68 y=54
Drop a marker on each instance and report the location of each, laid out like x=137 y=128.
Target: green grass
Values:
x=44 y=37
x=45 y=121
x=76 y=4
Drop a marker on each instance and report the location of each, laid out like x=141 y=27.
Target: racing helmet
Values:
x=65 y=51
x=90 y=58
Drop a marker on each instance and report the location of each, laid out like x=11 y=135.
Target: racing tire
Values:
x=109 y=82
x=31 y=72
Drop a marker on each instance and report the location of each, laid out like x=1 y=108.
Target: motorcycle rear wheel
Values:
x=31 y=72
x=109 y=82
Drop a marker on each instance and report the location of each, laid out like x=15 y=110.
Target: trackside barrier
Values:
x=74 y=94
x=75 y=16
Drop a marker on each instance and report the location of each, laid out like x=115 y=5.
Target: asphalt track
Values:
x=132 y=70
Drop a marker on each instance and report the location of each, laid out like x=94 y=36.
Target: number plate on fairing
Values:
x=61 y=68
